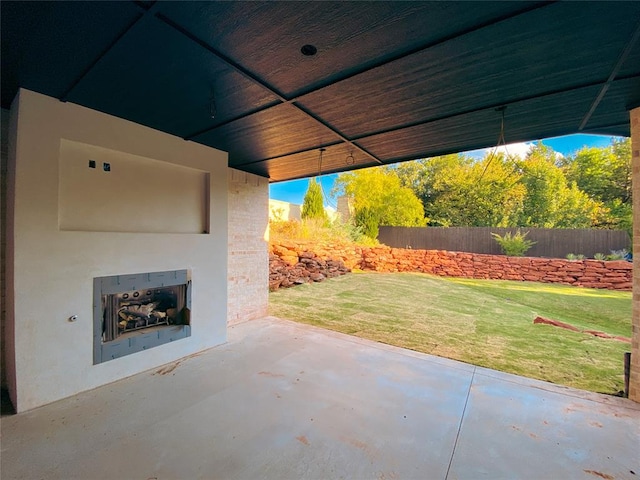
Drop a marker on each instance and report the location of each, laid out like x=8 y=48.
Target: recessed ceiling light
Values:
x=309 y=50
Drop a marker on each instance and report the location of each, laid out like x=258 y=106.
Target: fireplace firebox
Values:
x=140 y=311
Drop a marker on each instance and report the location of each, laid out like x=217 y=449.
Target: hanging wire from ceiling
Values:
x=326 y=198
x=501 y=141
x=322 y=150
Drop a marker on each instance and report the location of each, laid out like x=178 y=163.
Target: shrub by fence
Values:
x=550 y=242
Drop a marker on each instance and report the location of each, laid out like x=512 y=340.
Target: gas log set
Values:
x=139 y=309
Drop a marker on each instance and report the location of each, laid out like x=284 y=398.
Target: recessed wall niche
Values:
x=103 y=190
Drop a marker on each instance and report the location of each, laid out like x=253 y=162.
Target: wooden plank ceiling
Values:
x=390 y=81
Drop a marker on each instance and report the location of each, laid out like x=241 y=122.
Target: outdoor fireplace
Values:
x=140 y=311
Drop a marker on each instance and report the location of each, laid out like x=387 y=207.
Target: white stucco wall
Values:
x=248 y=246
x=50 y=271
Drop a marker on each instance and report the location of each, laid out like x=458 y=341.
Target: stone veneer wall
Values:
x=613 y=275
x=634 y=381
x=248 y=259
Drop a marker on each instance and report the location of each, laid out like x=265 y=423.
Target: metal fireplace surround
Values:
x=136 y=312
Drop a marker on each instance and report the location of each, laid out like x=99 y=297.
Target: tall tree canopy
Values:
x=605 y=175
x=551 y=201
x=313 y=204
x=421 y=175
x=455 y=190
x=589 y=189
x=378 y=198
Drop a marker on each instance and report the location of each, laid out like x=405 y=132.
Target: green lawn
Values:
x=483 y=322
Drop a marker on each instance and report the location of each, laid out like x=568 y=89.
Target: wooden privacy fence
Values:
x=551 y=242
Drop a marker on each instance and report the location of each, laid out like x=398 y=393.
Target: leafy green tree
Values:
x=368 y=221
x=605 y=175
x=541 y=190
x=458 y=191
x=618 y=215
x=578 y=209
x=379 y=199
x=487 y=193
x=544 y=182
x=550 y=201
x=313 y=205
x=421 y=176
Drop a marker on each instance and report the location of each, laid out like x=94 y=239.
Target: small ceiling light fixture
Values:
x=350 y=160
x=308 y=50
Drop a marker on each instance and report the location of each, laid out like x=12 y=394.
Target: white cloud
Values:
x=520 y=149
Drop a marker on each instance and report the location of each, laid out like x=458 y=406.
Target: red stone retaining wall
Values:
x=308 y=268
x=612 y=275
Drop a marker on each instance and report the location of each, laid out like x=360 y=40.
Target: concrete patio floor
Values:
x=282 y=400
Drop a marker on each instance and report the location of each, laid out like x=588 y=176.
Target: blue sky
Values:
x=294 y=190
